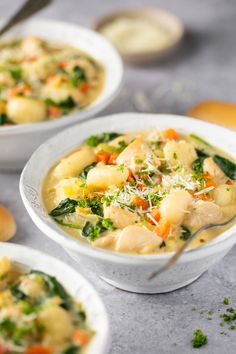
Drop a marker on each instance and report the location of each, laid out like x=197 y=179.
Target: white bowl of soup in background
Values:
x=18 y=142
x=74 y=283
x=126 y=271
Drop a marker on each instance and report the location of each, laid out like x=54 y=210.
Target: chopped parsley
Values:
x=78 y=76
x=93 y=231
x=199 y=339
x=95 y=140
x=226 y=301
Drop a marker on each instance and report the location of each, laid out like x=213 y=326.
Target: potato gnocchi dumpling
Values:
x=141 y=192
x=42 y=80
x=37 y=315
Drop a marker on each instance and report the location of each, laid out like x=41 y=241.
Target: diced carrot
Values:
x=205 y=196
x=54 y=111
x=85 y=87
x=155 y=214
x=112 y=158
x=140 y=203
x=163 y=229
x=51 y=78
x=229 y=182
x=103 y=156
x=171 y=134
x=39 y=349
x=130 y=176
x=80 y=337
x=63 y=64
x=142 y=186
x=210 y=183
x=24 y=88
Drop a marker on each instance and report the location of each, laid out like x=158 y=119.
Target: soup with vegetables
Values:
x=141 y=192
x=41 y=80
x=37 y=315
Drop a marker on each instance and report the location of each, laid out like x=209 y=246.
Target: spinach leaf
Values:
x=95 y=140
x=96 y=206
x=85 y=171
x=81 y=315
x=7 y=327
x=55 y=288
x=92 y=232
x=71 y=350
x=227 y=166
x=66 y=206
x=185 y=233
x=65 y=105
x=17 y=293
x=197 y=165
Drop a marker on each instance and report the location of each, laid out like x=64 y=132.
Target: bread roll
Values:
x=7 y=224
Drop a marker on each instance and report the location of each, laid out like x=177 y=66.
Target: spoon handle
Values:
x=29 y=8
x=176 y=256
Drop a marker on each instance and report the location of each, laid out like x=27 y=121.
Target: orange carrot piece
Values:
x=171 y=134
x=112 y=158
x=130 y=176
x=140 y=203
x=54 y=111
x=39 y=349
x=229 y=182
x=210 y=183
x=85 y=87
x=80 y=337
x=155 y=214
x=103 y=156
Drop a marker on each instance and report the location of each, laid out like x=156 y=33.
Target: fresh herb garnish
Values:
x=85 y=171
x=66 y=206
x=93 y=231
x=95 y=140
x=121 y=146
x=185 y=233
x=226 y=301
x=71 y=350
x=227 y=166
x=199 y=339
x=197 y=165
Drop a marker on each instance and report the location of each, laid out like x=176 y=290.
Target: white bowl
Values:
x=125 y=271
x=18 y=142
x=74 y=283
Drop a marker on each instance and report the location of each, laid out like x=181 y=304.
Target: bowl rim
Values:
x=57 y=234
x=10 y=249
x=77 y=115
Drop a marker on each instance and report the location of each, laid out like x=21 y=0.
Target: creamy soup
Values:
x=41 y=80
x=37 y=315
x=141 y=192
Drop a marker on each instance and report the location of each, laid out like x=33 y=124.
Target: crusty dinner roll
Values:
x=7 y=224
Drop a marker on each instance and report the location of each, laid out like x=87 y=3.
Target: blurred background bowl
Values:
x=18 y=142
x=74 y=283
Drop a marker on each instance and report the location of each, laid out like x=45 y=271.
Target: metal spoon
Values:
x=29 y=8
x=176 y=256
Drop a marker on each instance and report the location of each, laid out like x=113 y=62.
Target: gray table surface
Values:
x=204 y=67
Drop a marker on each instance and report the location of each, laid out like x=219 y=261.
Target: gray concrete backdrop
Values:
x=204 y=67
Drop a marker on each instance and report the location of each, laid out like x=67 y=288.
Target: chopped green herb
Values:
x=71 y=350
x=138 y=161
x=65 y=105
x=175 y=157
x=121 y=146
x=232 y=327
x=16 y=73
x=197 y=165
x=199 y=339
x=92 y=232
x=95 y=140
x=226 y=301
x=66 y=206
